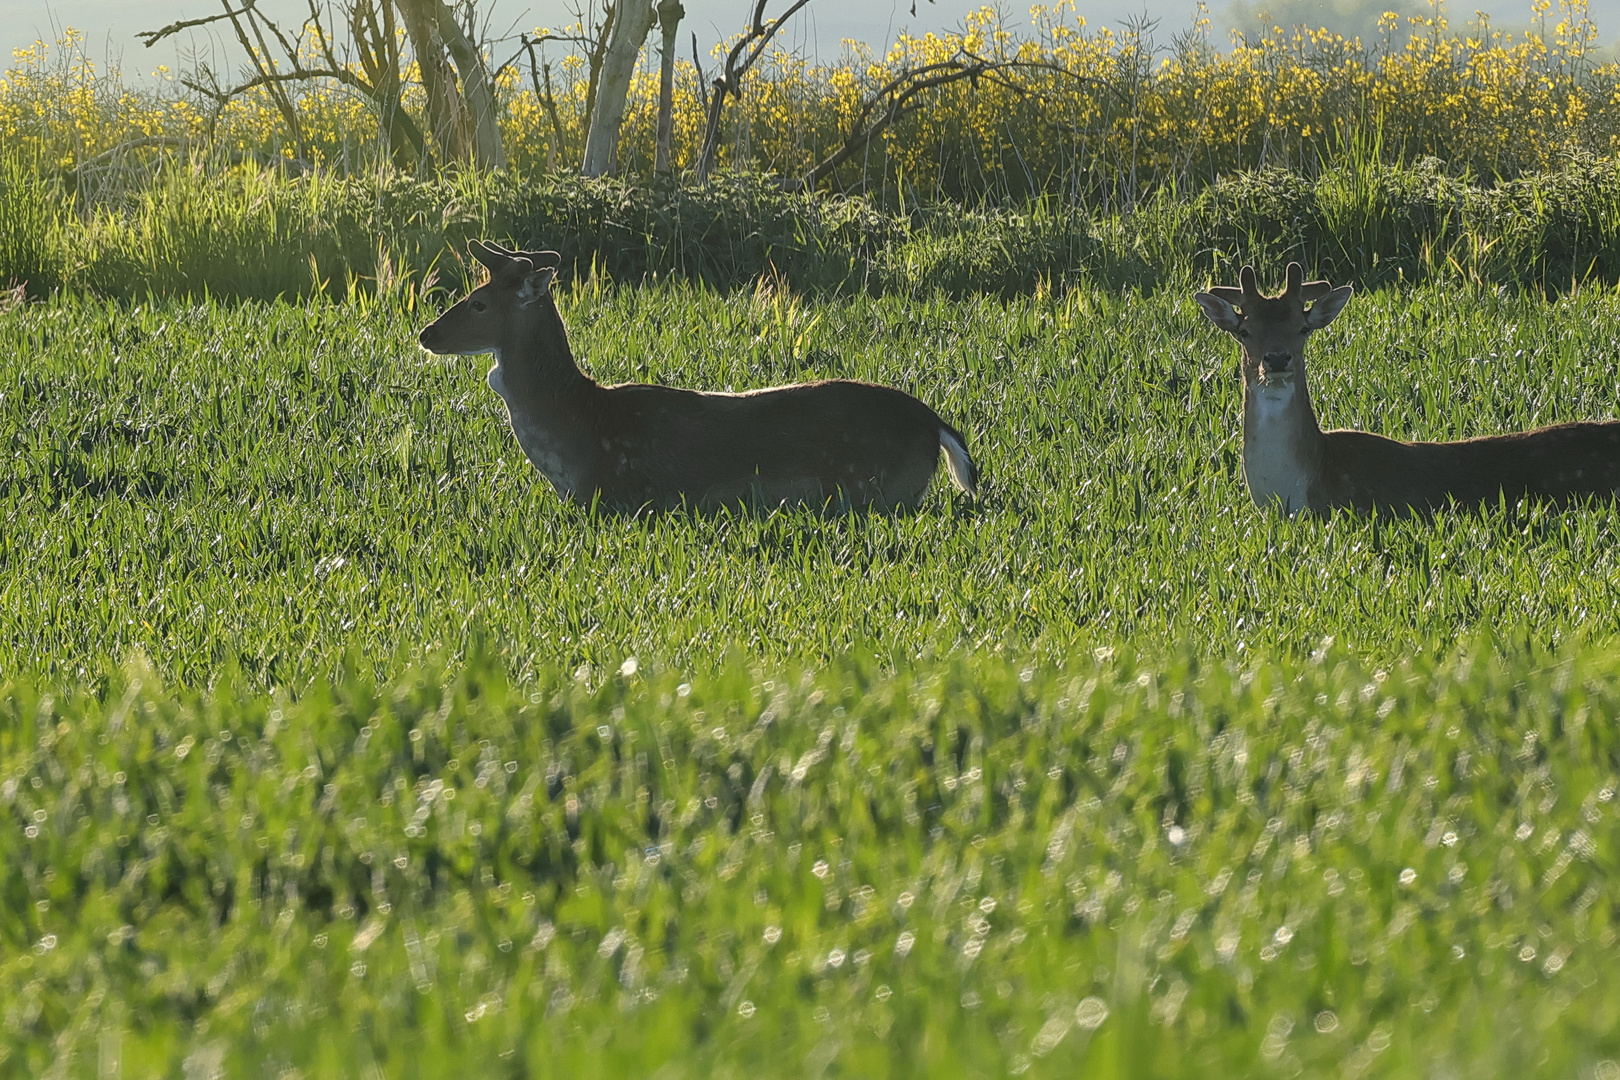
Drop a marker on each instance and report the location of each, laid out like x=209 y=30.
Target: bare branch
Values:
x=697 y=65
x=547 y=99
x=151 y=37
x=753 y=43
x=900 y=97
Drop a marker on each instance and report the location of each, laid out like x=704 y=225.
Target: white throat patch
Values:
x=1271 y=453
x=536 y=443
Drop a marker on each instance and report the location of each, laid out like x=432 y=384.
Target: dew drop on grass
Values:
x=1090 y=1013
x=1408 y=876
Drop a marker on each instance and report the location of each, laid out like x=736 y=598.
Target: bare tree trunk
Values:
x=464 y=117
x=447 y=115
x=709 y=151
x=670 y=14
x=634 y=21
x=477 y=91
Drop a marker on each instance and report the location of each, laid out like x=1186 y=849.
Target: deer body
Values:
x=634 y=446
x=1289 y=461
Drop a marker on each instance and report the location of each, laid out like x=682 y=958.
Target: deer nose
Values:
x=1278 y=361
x=425 y=338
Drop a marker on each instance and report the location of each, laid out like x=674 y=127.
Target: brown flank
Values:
x=836 y=444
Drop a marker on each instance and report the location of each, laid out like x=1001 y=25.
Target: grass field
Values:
x=333 y=740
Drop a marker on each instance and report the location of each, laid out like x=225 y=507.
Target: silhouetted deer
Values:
x=836 y=443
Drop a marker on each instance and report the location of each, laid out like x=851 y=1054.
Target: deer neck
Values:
x=548 y=398
x=1282 y=443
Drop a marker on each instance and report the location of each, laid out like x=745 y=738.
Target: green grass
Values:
x=1114 y=867
x=269 y=573
x=278 y=485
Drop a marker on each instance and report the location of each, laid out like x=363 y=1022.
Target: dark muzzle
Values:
x=1278 y=362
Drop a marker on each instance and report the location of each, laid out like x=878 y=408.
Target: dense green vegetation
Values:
x=1126 y=865
x=207 y=229
x=332 y=741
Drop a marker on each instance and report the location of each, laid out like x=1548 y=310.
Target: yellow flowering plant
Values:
x=1104 y=116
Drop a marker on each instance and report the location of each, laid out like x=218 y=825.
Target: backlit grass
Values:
x=276 y=485
x=332 y=741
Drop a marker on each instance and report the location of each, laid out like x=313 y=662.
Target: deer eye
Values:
x=479 y=305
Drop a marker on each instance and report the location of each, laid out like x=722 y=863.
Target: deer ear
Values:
x=1328 y=307
x=1219 y=312
x=536 y=283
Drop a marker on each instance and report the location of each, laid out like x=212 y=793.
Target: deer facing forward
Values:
x=837 y=443
x=1290 y=461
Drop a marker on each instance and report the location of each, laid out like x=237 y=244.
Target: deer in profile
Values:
x=1288 y=460
x=837 y=443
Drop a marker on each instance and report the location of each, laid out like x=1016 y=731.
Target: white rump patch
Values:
x=958 y=463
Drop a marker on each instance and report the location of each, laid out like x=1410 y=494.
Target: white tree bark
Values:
x=630 y=32
x=670 y=13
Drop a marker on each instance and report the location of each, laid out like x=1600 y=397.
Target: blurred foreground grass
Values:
x=1121 y=865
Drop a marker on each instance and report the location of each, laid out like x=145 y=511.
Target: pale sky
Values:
x=110 y=25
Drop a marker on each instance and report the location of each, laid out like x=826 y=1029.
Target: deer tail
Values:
x=964 y=474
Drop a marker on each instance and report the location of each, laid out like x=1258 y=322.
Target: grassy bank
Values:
x=238 y=232
x=1120 y=865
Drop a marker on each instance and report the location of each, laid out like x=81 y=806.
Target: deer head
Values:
x=1271 y=330
x=486 y=317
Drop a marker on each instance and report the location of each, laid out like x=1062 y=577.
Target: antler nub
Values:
x=1293 y=277
x=497 y=257
x=488 y=254
x=1296 y=288
x=540 y=259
